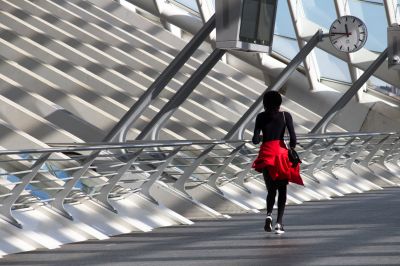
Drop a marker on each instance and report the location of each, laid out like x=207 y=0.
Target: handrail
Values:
x=103 y=146
x=343 y=134
x=204 y=161
x=95 y=146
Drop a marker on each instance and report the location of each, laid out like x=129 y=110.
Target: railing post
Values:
x=58 y=203
x=346 y=147
x=389 y=152
x=309 y=147
x=7 y=203
x=394 y=146
x=240 y=178
x=213 y=178
x=145 y=188
x=180 y=183
x=372 y=153
x=311 y=168
x=395 y=159
x=356 y=153
x=104 y=192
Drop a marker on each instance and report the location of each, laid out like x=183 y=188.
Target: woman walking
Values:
x=272 y=160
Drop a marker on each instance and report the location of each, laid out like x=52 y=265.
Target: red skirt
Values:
x=273 y=155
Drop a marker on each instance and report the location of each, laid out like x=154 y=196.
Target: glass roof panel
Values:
x=283 y=21
x=397 y=11
x=383 y=87
x=320 y=12
x=375 y=1
x=332 y=67
x=189 y=3
x=373 y=15
x=286 y=47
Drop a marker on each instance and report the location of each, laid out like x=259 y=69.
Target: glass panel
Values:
x=283 y=22
x=248 y=27
x=332 y=67
x=286 y=47
x=374 y=17
x=321 y=12
x=383 y=87
x=266 y=17
x=190 y=4
x=375 y=1
x=257 y=21
x=397 y=11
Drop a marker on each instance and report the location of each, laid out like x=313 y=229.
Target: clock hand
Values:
x=338 y=36
x=341 y=33
x=347 y=30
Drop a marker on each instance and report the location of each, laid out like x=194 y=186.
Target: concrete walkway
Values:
x=358 y=229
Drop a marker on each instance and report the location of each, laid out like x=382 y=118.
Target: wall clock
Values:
x=348 y=34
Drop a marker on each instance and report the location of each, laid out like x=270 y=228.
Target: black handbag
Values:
x=294 y=157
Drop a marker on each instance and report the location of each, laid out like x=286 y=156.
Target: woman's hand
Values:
x=256 y=139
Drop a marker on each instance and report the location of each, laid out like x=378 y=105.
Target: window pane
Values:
x=397 y=12
x=257 y=20
x=286 y=47
x=332 y=67
x=375 y=1
x=266 y=18
x=283 y=22
x=383 y=87
x=248 y=25
x=374 y=17
x=321 y=12
x=190 y=4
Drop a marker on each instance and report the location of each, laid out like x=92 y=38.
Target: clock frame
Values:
x=348 y=34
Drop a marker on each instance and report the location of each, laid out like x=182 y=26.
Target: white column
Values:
x=207 y=10
x=310 y=63
x=342 y=9
x=392 y=11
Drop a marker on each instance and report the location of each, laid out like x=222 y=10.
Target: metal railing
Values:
x=69 y=173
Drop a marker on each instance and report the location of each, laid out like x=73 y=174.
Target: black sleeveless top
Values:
x=272 y=126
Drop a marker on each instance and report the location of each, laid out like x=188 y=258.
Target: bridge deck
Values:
x=358 y=229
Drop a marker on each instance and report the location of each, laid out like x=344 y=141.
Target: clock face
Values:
x=348 y=34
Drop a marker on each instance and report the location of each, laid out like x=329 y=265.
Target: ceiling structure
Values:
x=296 y=23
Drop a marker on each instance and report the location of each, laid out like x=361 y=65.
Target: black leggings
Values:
x=272 y=187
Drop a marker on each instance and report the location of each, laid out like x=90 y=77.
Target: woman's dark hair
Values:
x=272 y=101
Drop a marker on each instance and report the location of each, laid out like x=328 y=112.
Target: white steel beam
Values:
x=160 y=5
x=310 y=63
x=149 y=6
x=207 y=10
x=392 y=11
x=177 y=16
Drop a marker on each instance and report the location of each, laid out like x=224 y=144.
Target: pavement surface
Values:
x=358 y=229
